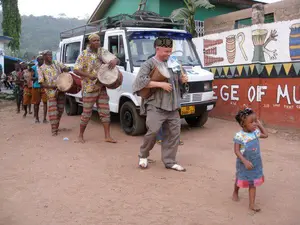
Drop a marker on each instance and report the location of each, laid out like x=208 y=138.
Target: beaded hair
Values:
x=243 y=114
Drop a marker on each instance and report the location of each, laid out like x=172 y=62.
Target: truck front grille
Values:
x=197 y=97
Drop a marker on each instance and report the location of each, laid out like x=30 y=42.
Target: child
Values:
x=249 y=171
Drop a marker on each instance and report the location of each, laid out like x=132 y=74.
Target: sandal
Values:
x=177 y=167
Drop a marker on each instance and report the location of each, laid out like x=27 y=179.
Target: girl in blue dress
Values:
x=249 y=169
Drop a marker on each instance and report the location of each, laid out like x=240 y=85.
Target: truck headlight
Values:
x=207 y=86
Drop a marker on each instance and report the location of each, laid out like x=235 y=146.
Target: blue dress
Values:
x=250 y=149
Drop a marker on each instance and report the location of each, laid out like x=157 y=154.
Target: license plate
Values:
x=187 y=110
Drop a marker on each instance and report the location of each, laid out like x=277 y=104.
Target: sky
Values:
x=71 y=8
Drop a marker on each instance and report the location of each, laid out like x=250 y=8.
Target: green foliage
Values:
x=11 y=23
x=188 y=13
x=40 y=33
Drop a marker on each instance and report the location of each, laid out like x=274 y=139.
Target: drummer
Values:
x=48 y=74
x=93 y=91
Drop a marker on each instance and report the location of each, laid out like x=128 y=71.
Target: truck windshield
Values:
x=142 y=47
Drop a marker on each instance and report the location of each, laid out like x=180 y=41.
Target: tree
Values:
x=188 y=13
x=11 y=23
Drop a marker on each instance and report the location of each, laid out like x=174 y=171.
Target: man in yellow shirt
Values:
x=86 y=66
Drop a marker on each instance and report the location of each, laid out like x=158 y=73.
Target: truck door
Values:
x=115 y=43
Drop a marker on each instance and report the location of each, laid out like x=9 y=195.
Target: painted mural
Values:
x=258 y=66
x=268 y=43
x=295 y=42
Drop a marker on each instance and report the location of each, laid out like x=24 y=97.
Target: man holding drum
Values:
x=87 y=66
x=48 y=74
x=161 y=108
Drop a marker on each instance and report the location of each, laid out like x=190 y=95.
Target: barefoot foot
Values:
x=80 y=140
x=254 y=209
x=235 y=197
x=54 y=134
x=110 y=140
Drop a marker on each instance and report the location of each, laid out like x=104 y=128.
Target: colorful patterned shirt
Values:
x=89 y=62
x=27 y=78
x=48 y=75
x=243 y=138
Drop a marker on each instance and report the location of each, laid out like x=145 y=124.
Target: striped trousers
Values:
x=101 y=99
x=55 y=110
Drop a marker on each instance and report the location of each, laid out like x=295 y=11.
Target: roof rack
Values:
x=123 y=20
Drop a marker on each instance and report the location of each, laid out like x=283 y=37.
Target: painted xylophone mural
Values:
x=258 y=66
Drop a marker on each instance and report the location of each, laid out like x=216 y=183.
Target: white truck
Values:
x=131 y=39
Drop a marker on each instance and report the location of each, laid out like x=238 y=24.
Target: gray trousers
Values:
x=170 y=123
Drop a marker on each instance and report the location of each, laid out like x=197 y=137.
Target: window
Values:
x=269 y=18
x=101 y=40
x=243 y=23
x=199 y=27
x=115 y=45
x=142 y=47
x=72 y=51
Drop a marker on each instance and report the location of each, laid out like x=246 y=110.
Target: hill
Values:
x=42 y=32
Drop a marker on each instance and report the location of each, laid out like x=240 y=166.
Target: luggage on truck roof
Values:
x=138 y=19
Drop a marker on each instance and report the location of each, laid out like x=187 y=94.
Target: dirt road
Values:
x=47 y=181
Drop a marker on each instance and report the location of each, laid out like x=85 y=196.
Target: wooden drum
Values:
x=69 y=83
x=158 y=75
x=111 y=79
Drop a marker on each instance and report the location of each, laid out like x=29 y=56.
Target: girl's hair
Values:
x=242 y=115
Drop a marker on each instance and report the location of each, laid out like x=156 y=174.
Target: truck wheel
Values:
x=197 y=121
x=131 y=122
x=71 y=106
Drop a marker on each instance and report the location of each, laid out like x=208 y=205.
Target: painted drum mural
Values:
x=258 y=66
x=295 y=42
x=230 y=48
x=267 y=43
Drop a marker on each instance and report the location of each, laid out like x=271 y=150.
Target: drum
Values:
x=259 y=37
x=106 y=56
x=155 y=75
x=295 y=42
x=111 y=79
x=230 y=48
x=69 y=83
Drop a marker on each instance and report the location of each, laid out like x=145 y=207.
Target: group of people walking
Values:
x=161 y=108
x=28 y=91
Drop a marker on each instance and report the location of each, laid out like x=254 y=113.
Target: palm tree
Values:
x=188 y=13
